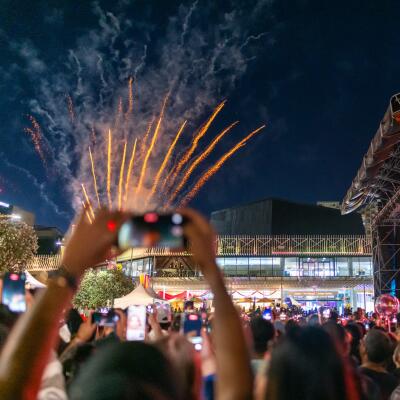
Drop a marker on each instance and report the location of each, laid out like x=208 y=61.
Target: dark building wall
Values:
x=280 y=217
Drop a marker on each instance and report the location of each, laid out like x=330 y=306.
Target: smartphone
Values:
x=153 y=229
x=105 y=318
x=267 y=314
x=192 y=324
x=13 y=294
x=326 y=313
x=136 y=323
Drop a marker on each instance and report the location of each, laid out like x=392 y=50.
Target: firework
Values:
x=166 y=159
x=36 y=136
x=121 y=178
x=93 y=136
x=130 y=99
x=94 y=177
x=144 y=141
x=129 y=173
x=87 y=200
x=151 y=146
x=87 y=212
x=195 y=142
x=70 y=108
x=211 y=171
x=198 y=160
x=109 y=169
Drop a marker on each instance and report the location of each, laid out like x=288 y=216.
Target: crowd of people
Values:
x=51 y=353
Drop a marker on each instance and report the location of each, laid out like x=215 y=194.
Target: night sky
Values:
x=319 y=73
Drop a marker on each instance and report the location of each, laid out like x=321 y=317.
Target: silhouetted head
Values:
x=129 y=370
x=306 y=366
x=262 y=331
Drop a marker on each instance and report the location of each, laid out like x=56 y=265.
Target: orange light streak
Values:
x=109 y=169
x=166 y=159
x=202 y=132
x=121 y=177
x=198 y=160
x=150 y=149
x=36 y=136
x=86 y=212
x=87 y=200
x=94 y=177
x=129 y=173
x=130 y=100
x=211 y=171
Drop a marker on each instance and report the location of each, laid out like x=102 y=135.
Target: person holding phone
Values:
x=27 y=350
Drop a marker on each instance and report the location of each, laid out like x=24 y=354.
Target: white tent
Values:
x=138 y=297
x=33 y=282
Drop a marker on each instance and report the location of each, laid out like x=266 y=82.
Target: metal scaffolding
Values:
x=377 y=185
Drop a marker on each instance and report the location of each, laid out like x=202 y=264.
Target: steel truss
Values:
x=278 y=246
x=377 y=184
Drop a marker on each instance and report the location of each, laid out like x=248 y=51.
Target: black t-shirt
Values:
x=385 y=381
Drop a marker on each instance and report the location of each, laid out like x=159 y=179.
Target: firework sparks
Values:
x=144 y=141
x=129 y=173
x=211 y=171
x=121 y=177
x=36 y=136
x=130 y=99
x=166 y=159
x=87 y=200
x=93 y=136
x=87 y=212
x=198 y=160
x=109 y=169
x=94 y=177
x=150 y=149
x=202 y=132
x=70 y=108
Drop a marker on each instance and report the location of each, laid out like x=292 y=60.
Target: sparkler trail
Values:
x=70 y=108
x=165 y=161
x=153 y=141
x=109 y=170
x=94 y=177
x=211 y=171
x=121 y=178
x=36 y=136
x=195 y=142
x=198 y=160
x=87 y=200
x=93 y=136
x=129 y=173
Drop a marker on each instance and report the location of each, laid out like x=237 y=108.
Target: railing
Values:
x=329 y=245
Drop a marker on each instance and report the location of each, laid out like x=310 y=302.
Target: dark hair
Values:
x=306 y=366
x=337 y=334
x=377 y=346
x=262 y=331
x=356 y=335
x=73 y=321
x=128 y=370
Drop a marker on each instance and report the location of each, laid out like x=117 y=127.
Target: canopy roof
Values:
x=33 y=282
x=139 y=296
x=378 y=177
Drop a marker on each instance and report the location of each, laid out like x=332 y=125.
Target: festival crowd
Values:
x=51 y=352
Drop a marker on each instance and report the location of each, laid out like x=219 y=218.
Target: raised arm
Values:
x=27 y=350
x=234 y=378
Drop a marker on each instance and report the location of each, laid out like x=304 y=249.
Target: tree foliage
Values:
x=18 y=245
x=100 y=288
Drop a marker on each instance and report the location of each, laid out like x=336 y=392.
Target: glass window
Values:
x=254 y=266
x=242 y=265
x=342 y=266
x=291 y=266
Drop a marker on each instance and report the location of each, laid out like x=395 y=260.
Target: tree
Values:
x=100 y=288
x=18 y=245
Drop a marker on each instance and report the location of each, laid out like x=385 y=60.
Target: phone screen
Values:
x=136 y=323
x=108 y=318
x=152 y=229
x=13 y=294
x=192 y=328
x=267 y=314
